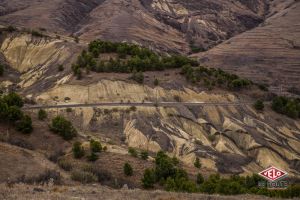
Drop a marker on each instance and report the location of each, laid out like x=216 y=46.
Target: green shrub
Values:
x=175 y=160
x=195 y=48
x=165 y=166
x=212 y=77
x=149 y=178
x=42 y=114
x=138 y=77
x=11 y=29
x=95 y=146
x=214 y=178
x=287 y=106
x=168 y=174
x=133 y=108
x=197 y=163
x=14 y=113
x=228 y=187
x=263 y=87
x=144 y=155
x=102 y=175
x=83 y=177
x=78 y=150
x=13 y=99
x=178 y=181
x=63 y=127
x=239 y=83
x=132 y=152
x=3 y=110
x=93 y=157
x=208 y=187
x=37 y=34
x=200 y=179
x=259 y=105
x=170 y=184
x=25 y=125
x=128 y=171
x=10 y=111
x=130 y=58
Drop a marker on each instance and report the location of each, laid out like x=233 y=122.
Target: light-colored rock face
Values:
x=118 y=91
x=169 y=7
x=37 y=59
x=226 y=138
x=25 y=52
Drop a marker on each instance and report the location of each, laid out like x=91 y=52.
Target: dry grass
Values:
x=91 y=192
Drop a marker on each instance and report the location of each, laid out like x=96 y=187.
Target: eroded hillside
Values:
x=268 y=54
x=36 y=60
x=188 y=117
x=168 y=25
x=227 y=138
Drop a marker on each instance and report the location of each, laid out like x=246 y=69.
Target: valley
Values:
x=201 y=81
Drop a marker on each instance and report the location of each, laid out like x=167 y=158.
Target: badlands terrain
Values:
x=257 y=40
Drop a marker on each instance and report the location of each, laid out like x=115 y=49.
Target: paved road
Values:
x=146 y=104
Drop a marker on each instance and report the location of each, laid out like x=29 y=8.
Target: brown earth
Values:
x=92 y=192
x=267 y=54
x=263 y=35
x=227 y=139
x=161 y=24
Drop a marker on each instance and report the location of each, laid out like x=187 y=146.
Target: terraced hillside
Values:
x=268 y=54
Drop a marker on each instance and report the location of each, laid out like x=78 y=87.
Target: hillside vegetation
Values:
x=11 y=113
x=129 y=58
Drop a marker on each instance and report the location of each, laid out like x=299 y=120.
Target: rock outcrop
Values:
x=228 y=139
x=37 y=59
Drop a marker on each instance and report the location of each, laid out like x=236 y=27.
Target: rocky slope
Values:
x=228 y=139
x=36 y=59
x=269 y=53
x=162 y=24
